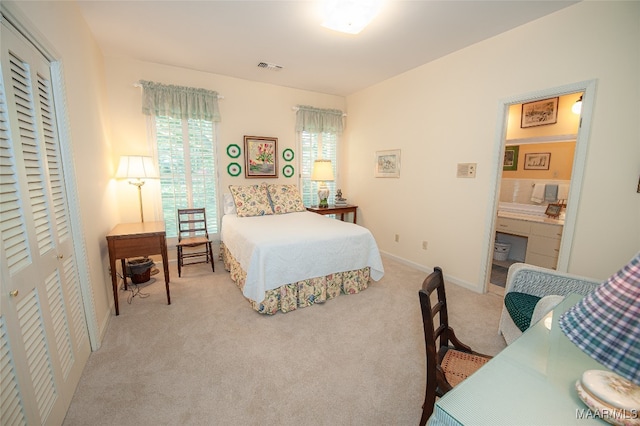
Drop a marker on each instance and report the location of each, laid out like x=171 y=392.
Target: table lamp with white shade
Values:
x=323 y=173
x=137 y=168
x=605 y=325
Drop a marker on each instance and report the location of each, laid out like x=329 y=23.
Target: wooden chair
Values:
x=192 y=233
x=452 y=361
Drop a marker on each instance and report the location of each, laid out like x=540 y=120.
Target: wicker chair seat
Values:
x=193 y=241
x=458 y=365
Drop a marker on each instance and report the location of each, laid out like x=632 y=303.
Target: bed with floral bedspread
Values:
x=283 y=261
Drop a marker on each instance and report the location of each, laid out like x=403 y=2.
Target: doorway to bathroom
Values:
x=539 y=161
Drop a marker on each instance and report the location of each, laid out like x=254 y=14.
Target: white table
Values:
x=531 y=382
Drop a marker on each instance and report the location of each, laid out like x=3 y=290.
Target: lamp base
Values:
x=323 y=195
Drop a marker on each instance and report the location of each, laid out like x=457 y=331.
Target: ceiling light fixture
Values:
x=349 y=16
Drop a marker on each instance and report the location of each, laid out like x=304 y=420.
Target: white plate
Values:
x=612 y=389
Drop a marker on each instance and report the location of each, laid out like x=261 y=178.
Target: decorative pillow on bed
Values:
x=228 y=203
x=285 y=199
x=251 y=200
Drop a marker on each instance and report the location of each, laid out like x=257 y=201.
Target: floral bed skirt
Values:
x=290 y=297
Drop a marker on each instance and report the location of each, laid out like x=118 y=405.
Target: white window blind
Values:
x=315 y=146
x=187 y=167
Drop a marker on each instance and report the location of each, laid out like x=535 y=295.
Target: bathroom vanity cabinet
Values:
x=543 y=239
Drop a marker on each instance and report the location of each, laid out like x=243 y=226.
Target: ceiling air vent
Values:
x=269 y=66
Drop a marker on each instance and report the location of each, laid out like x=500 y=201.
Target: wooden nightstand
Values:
x=341 y=210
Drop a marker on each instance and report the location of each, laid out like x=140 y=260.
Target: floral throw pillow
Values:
x=285 y=199
x=251 y=200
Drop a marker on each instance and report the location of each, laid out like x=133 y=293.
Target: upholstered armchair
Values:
x=531 y=292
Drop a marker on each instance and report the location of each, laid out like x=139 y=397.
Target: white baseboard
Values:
x=428 y=270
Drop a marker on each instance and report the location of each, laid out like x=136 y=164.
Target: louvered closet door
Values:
x=44 y=342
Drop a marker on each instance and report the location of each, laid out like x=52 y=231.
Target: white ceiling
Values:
x=232 y=37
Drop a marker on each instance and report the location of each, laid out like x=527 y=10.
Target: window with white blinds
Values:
x=187 y=166
x=317 y=146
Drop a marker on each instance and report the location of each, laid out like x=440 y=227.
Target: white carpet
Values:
x=209 y=359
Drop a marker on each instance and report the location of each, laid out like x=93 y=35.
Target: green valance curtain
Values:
x=316 y=120
x=179 y=102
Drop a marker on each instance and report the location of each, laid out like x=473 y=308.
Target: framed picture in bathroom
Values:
x=553 y=210
x=539 y=113
x=510 y=158
x=537 y=161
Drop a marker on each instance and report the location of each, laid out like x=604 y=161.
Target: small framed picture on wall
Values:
x=510 y=158
x=537 y=161
x=539 y=113
x=387 y=164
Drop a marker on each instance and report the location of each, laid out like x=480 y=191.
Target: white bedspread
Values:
x=282 y=249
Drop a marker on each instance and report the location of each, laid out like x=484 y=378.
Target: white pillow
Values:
x=228 y=204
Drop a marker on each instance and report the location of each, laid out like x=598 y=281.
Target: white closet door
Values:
x=44 y=341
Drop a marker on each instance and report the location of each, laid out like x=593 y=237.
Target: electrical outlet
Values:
x=397 y=238
x=424 y=245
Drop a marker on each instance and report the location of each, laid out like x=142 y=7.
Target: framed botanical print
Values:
x=260 y=157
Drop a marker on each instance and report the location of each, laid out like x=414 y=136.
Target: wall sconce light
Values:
x=137 y=167
x=577 y=107
x=322 y=172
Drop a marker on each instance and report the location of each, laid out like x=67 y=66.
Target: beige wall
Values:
x=446 y=112
x=439 y=114
x=61 y=28
x=248 y=108
x=106 y=122
x=560 y=165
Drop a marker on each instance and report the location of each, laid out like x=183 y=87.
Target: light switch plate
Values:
x=467 y=170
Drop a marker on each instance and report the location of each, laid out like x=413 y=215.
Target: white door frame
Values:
x=577 y=174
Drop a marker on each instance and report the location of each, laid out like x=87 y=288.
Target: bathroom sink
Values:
x=527 y=212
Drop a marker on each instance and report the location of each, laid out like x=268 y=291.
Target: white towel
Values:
x=538 y=193
x=563 y=191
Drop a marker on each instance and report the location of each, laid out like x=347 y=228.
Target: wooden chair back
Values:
x=192 y=223
x=433 y=282
x=193 y=233
x=438 y=340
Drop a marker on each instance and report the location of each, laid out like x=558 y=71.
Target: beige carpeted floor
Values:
x=209 y=359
